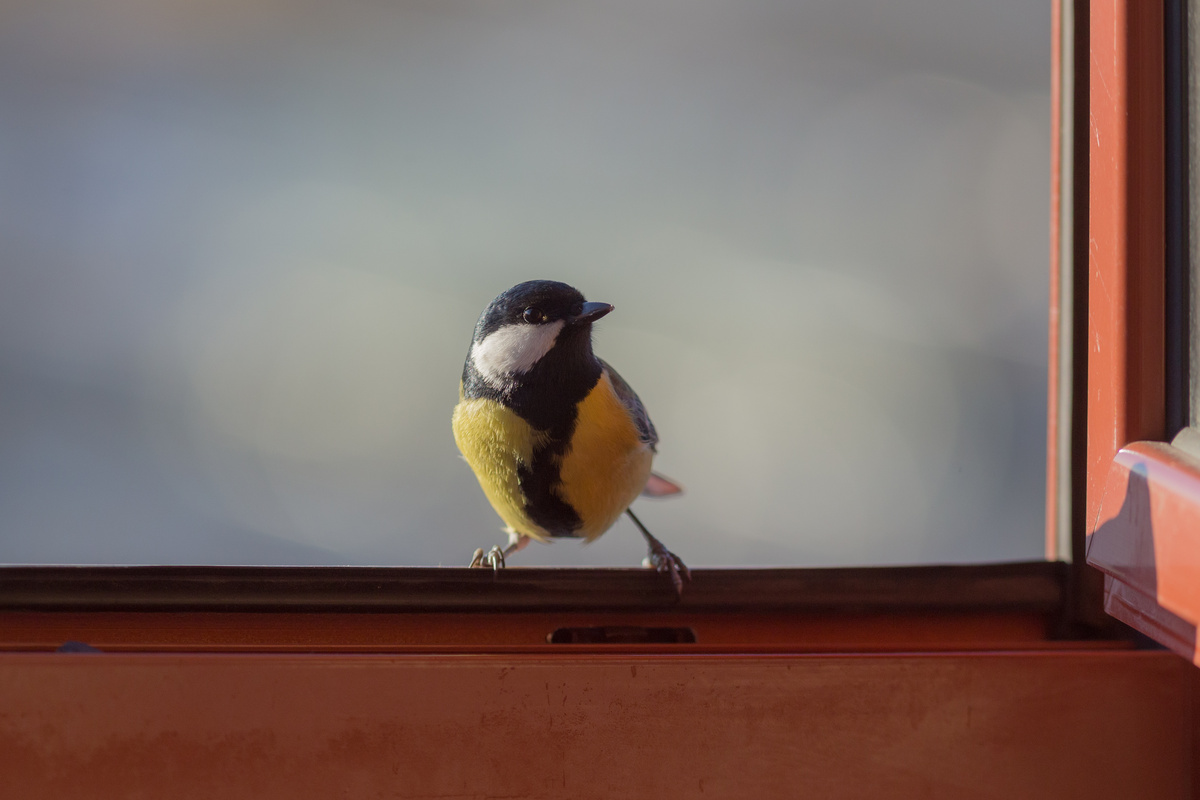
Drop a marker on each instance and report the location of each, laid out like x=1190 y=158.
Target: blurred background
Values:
x=243 y=246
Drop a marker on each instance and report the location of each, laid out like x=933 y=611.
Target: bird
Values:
x=560 y=443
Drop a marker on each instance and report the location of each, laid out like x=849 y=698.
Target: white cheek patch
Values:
x=513 y=349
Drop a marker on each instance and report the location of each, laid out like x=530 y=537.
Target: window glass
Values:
x=244 y=246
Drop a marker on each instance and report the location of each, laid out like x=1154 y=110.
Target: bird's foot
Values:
x=493 y=558
x=665 y=562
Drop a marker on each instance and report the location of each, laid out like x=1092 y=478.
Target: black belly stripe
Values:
x=547 y=398
x=541 y=484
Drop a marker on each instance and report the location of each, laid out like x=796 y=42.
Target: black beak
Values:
x=591 y=312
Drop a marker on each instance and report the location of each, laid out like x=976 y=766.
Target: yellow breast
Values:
x=496 y=442
x=607 y=465
x=601 y=473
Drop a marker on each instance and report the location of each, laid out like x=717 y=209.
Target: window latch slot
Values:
x=621 y=634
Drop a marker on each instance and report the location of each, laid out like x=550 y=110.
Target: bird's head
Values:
x=526 y=324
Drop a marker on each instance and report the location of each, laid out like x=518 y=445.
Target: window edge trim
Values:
x=1146 y=541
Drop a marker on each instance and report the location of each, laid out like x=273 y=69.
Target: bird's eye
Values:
x=533 y=316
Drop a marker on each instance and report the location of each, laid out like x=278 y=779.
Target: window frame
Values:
x=1141 y=494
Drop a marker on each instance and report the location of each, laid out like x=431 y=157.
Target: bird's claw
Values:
x=665 y=562
x=493 y=558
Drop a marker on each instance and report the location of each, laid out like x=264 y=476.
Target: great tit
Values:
x=559 y=442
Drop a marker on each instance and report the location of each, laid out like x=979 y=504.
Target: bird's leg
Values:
x=662 y=559
x=496 y=558
x=493 y=558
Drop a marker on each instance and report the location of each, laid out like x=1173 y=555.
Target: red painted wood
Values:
x=1126 y=221
x=313 y=632
x=1148 y=543
x=1058 y=725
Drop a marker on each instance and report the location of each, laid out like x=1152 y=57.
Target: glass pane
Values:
x=245 y=245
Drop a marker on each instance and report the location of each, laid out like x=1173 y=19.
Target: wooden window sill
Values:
x=391 y=610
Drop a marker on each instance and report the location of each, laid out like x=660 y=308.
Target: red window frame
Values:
x=1141 y=495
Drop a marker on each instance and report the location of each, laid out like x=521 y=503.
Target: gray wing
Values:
x=630 y=400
